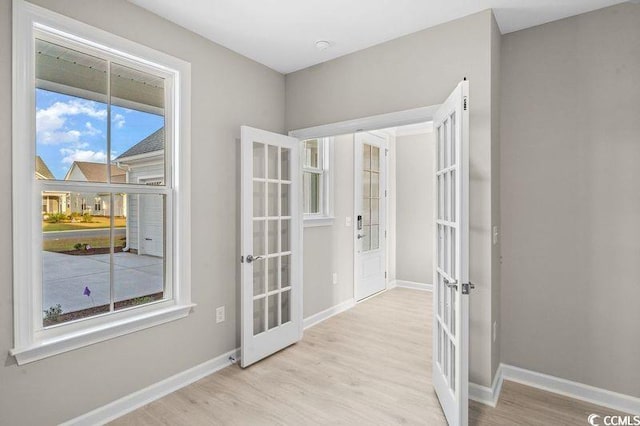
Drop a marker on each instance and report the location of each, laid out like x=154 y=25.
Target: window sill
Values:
x=78 y=339
x=311 y=222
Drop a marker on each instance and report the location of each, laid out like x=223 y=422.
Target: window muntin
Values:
x=104 y=119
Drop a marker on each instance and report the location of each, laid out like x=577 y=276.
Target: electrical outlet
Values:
x=220 y=314
x=335 y=278
x=495 y=235
x=495 y=330
x=347 y=221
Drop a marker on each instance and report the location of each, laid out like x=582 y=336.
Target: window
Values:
x=106 y=121
x=316 y=181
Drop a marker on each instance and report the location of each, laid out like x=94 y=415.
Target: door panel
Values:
x=271 y=283
x=451 y=248
x=370 y=236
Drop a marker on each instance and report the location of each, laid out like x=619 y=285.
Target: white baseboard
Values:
x=328 y=313
x=411 y=284
x=133 y=401
x=616 y=401
x=485 y=395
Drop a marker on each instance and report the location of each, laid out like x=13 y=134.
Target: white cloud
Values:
x=118 y=121
x=91 y=131
x=71 y=155
x=50 y=122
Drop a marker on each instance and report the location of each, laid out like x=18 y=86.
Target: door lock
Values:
x=466 y=288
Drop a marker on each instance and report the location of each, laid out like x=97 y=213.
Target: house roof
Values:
x=97 y=172
x=42 y=169
x=153 y=142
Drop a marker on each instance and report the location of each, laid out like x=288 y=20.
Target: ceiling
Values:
x=281 y=34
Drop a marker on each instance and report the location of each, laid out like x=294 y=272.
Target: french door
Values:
x=451 y=275
x=271 y=281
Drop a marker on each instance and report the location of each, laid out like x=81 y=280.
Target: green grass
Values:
x=67 y=244
x=97 y=222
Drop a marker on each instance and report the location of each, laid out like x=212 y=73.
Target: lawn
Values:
x=67 y=244
x=97 y=222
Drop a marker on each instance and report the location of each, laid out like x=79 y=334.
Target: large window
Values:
x=316 y=181
x=102 y=209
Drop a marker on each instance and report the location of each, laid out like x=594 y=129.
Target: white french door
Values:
x=370 y=206
x=271 y=282
x=451 y=275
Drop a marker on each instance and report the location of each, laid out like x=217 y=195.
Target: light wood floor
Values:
x=370 y=365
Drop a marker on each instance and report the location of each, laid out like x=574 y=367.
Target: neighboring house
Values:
x=95 y=204
x=52 y=202
x=144 y=164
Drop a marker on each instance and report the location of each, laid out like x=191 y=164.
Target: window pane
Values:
x=75 y=256
x=71 y=114
x=311 y=189
x=137 y=125
x=138 y=264
x=311 y=154
x=375 y=158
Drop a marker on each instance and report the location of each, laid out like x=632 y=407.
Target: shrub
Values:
x=53 y=313
x=56 y=217
x=87 y=218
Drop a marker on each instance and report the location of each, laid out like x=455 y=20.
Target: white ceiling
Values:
x=282 y=33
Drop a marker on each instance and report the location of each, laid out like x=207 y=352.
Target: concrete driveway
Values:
x=65 y=277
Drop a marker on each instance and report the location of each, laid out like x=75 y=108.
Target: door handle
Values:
x=251 y=258
x=450 y=283
x=361 y=236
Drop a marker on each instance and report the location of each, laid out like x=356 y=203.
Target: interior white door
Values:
x=370 y=201
x=271 y=282
x=451 y=275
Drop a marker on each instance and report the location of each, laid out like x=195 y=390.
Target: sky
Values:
x=72 y=129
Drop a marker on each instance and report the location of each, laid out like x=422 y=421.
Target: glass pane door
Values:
x=371 y=197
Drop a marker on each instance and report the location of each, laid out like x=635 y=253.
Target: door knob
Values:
x=361 y=236
x=251 y=258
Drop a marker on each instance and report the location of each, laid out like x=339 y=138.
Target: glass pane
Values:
x=454 y=160
x=286 y=237
x=285 y=271
x=375 y=237
x=75 y=263
x=273 y=199
x=285 y=165
x=439 y=339
x=366 y=184
x=453 y=196
x=273 y=311
x=311 y=154
x=272 y=163
x=284 y=199
x=259 y=199
x=375 y=185
x=285 y=303
x=311 y=189
x=375 y=212
x=70 y=130
x=273 y=273
x=259 y=238
x=258 y=315
x=366 y=239
x=453 y=367
x=366 y=212
x=375 y=158
x=446 y=143
x=273 y=237
x=258 y=277
x=446 y=200
x=137 y=125
x=366 y=157
x=258 y=160
x=138 y=274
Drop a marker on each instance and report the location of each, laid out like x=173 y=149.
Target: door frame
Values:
x=384 y=149
x=371 y=123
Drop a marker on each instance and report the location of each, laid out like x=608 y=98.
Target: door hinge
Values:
x=464 y=103
x=385 y=274
x=386 y=152
x=385 y=234
x=466 y=288
x=241 y=259
x=385 y=192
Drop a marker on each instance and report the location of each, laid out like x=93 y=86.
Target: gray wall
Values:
x=228 y=90
x=329 y=249
x=570 y=198
x=418 y=70
x=414 y=204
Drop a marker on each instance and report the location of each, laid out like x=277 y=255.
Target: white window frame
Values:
x=31 y=340
x=325 y=170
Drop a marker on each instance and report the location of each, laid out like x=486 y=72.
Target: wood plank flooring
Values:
x=370 y=365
